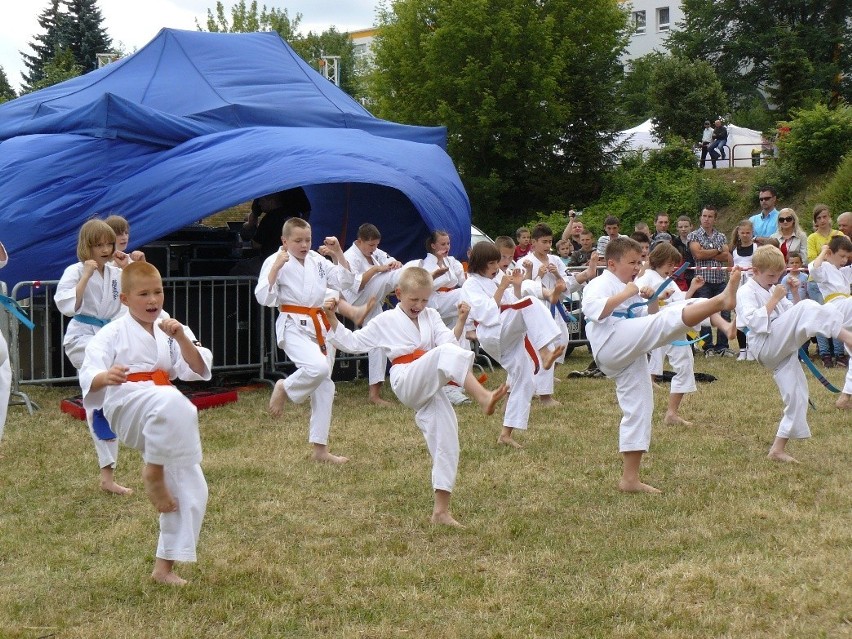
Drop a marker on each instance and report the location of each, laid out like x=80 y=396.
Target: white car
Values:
x=477 y=236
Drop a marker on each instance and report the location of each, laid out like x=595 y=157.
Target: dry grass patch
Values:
x=735 y=547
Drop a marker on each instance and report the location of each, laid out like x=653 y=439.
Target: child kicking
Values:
x=127 y=371
x=295 y=280
x=832 y=272
x=425 y=356
x=517 y=331
x=777 y=328
x=662 y=262
x=620 y=340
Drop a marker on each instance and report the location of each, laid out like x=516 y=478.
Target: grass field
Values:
x=737 y=546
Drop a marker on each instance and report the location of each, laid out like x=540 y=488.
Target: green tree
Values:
x=744 y=40
x=791 y=80
x=62 y=67
x=44 y=45
x=633 y=96
x=6 y=91
x=683 y=94
x=331 y=43
x=249 y=19
x=524 y=88
x=84 y=34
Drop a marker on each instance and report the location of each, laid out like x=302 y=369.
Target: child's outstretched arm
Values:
x=696 y=283
x=778 y=293
x=188 y=350
x=817 y=263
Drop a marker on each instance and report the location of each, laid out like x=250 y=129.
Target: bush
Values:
x=781 y=173
x=817 y=138
x=556 y=220
x=838 y=192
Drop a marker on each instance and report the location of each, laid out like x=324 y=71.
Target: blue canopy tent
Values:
x=196 y=122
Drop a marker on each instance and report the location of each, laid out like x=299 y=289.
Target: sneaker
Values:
x=827 y=361
x=711 y=353
x=842 y=361
x=727 y=352
x=742 y=356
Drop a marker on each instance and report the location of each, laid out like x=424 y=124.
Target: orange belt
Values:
x=447 y=289
x=517 y=305
x=159 y=377
x=316 y=314
x=407 y=359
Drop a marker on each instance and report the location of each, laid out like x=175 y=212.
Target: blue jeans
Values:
x=711 y=289
x=824 y=343
x=718 y=146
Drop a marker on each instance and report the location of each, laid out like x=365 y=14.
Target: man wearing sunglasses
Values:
x=765 y=221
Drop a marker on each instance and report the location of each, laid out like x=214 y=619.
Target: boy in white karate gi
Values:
x=518 y=331
x=832 y=272
x=5 y=366
x=376 y=276
x=88 y=293
x=425 y=356
x=295 y=279
x=127 y=371
x=548 y=269
x=662 y=262
x=777 y=328
x=620 y=343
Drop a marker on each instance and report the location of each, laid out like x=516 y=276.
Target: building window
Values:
x=639 y=21
x=663 y=19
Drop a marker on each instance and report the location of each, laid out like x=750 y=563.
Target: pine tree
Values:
x=44 y=45
x=85 y=35
x=6 y=91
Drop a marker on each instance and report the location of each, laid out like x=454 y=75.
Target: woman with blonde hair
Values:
x=792 y=240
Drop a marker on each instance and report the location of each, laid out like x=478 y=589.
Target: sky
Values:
x=133 y=23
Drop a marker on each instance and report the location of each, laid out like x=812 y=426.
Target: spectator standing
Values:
x=765 y=221
x=792 y=240
x=681 y=243
x=706 y=139
x=661 y=224
x=709 y=248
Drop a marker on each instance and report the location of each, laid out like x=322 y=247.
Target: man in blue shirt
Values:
x=766 y=220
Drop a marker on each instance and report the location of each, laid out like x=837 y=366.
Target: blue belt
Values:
x=91 y=321
x=662 y=287
x=17 y=312
x=566 y=316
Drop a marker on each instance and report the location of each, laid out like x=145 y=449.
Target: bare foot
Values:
x=549 y=357
x=781 y=456
x=489 y=406
x=278 y=399
x=378 y=401
x=558 y=290
x=636 y=487
x=506 y=440
x=326 y=457
x=157 y=491
x=117 y=489
x=445 y=519
x=168 y=578
x=361 y=312
x=729 y=295
x=844 y=402
x=549 y=401
x=675 y=420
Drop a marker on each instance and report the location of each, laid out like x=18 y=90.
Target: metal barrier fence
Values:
x=9 y=328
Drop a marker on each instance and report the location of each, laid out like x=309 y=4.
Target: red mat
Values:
x=202 y=399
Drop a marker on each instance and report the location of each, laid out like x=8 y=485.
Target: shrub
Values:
x=837 y=193
x=817 y=138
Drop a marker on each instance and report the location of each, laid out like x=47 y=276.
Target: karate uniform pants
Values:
x=683 y=363
x=624 y=357
x=778 y=352
x=106 y=449
x=5 y=383
x=162 y=424
x=312 y=378
x=844 y=305
x=505 y=342
x=419 y=386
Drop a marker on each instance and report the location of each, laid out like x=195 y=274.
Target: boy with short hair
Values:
x=295 y=279
x=611 y=230
x=621 y=338
x=376 y=276
x=548 y=269
x=776 y=329
x=564 y=248
x=582 y=256
x=425 y=356
x=127 y=371
x=522 y=235
x=832 y=272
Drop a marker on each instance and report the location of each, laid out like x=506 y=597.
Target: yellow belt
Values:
x=834 y=296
